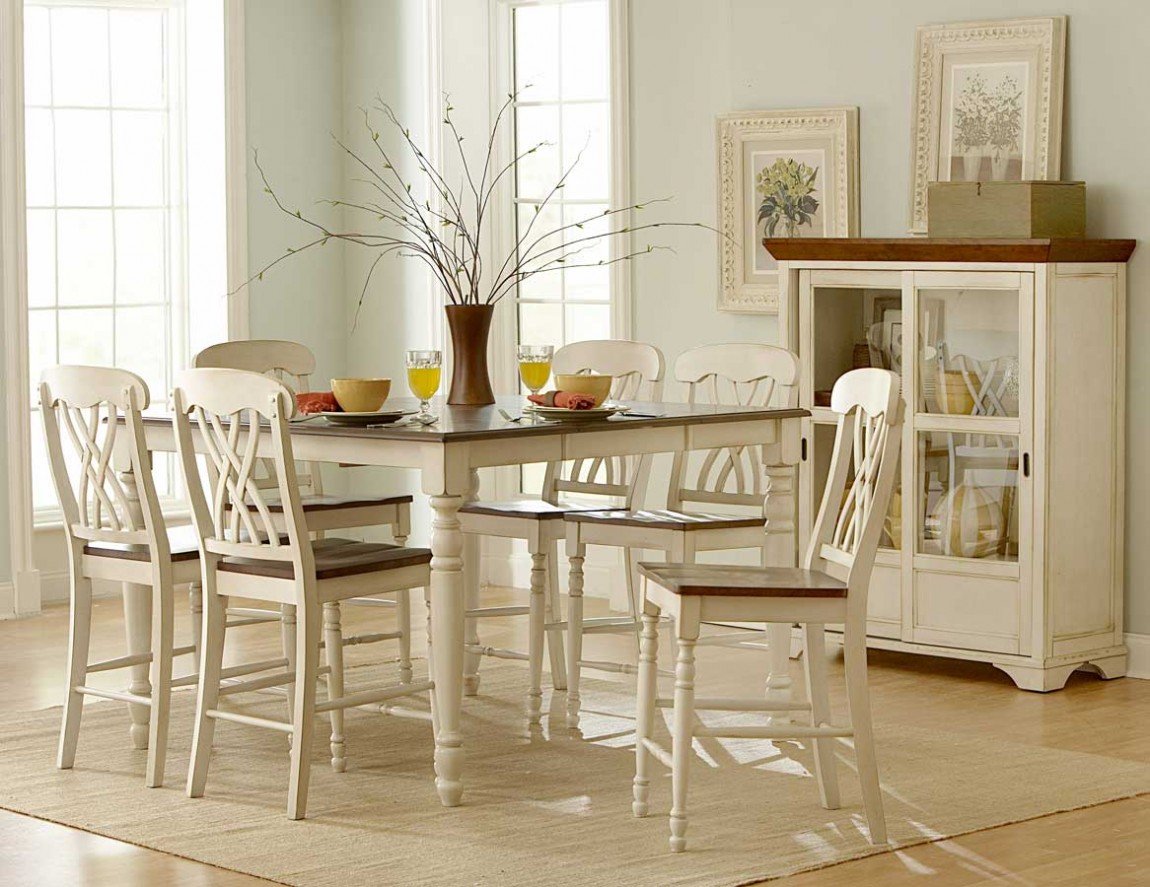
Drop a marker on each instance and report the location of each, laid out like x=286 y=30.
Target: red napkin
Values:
x=307 y=402
x=567 y=400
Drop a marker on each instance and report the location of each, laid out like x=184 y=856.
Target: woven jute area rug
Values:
x=549 y=807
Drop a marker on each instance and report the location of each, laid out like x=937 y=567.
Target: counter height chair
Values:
x=830 y=588
x=716 y=499
x=293 y=364
x=115 y=535
x=638 y=371
x=245 y=551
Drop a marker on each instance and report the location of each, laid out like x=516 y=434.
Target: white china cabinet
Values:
x=1004 y=540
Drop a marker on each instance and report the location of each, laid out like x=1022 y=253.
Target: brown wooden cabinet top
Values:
x=966 y=249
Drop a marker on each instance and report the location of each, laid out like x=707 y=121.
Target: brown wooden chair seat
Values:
x=728 y=581
x=183 y=542
x=335 y=558
x=319 y=502
x=663 y=519
x=535 y=509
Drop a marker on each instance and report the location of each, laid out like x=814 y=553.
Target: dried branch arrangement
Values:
x=444 y=228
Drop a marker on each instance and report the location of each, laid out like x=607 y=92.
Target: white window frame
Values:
x=621 y=307
x=22 y=595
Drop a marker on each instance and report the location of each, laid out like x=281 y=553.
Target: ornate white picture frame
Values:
x=987 y=104
x=781 y=174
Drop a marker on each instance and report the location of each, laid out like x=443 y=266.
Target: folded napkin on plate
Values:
x=307 y=402
x=567 y=400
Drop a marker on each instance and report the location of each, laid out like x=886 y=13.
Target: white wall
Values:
x=693 y=60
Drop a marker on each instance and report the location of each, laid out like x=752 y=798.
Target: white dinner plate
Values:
x=377 y=417
x=562 y=414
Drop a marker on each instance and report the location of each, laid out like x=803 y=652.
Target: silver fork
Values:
x=506 y=415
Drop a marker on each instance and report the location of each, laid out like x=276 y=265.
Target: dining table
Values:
x=448 y=454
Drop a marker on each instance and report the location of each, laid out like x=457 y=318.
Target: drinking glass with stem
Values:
x=423 y=376
x=534 y=365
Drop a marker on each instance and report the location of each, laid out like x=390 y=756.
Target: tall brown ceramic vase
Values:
x=470 y=381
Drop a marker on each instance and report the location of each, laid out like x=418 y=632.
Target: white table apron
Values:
x=448 y=472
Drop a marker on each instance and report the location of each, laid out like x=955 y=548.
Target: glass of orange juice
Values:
x=535 y=365
x=423 y=373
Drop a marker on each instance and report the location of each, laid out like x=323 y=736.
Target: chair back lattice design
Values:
x=288 y=362
x=638 y=370
x=846 y=532
x=231 y=411
x=89 y=413
x=732 y=375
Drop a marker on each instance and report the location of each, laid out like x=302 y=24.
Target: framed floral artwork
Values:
x=781 y=174
x=987 y=104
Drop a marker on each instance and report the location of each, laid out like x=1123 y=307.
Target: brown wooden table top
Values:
x=459 y=423
x=939 y=249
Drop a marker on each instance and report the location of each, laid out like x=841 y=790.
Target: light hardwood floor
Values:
x=1104 y=845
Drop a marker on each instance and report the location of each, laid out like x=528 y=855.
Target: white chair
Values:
x=293 y=364
x=638 y=371
x=244 y=553
x=830 y=588
x=113 y=536
x=737 y=479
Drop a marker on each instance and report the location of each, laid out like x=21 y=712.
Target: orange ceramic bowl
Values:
x=595 y=386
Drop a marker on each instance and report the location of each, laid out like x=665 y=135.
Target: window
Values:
x=108 y=215
x=561 y=71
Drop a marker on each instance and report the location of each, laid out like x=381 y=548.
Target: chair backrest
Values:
x=89 y=412
x=229 y=411
x=638 y=369
x=846 y=532
x=732 y=375
x=290 y=363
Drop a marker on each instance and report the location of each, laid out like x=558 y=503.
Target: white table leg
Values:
x=447 y=609
x=471 y=596
x=138 y=629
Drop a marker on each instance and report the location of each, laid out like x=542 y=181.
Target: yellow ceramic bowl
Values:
x=361 y=395
x=596 y=386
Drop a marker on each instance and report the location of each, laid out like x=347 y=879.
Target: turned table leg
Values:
x=447 y=618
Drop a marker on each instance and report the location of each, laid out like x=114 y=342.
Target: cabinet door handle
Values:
x=803 y=449
x=1026 y=464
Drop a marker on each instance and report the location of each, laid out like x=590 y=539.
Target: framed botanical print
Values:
x=987 y=104
x=781 y=174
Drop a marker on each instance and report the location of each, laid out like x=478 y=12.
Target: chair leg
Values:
x=575 y=555
x=163 y=626
x=536 y=634
x=681 y=747
x=815 y=664
x=196 y=608
x=79 y=634
x=287 y=639
x=555 y=614
x=208 y=692
x=303 y=709
x=403 y=618
x=634 y=598
x=858 y=695
x=333 y=653
x=472 y=601
x=645 y=706
x=430 y=664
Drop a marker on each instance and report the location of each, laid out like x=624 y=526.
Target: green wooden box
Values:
x=1006 y=209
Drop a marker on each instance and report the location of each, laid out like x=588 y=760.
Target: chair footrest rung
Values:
x=660 y=753
x=120 y=662
x=272 y=680
x=724 y=703
x=370 y=697
x=188 y=680
x=249 y=720
x=255 y=613
x=235 y=671
x=115 y=695
x=352 y=640
x=371 y=602
x=788 y=731
x=496 y=652
x=614 y=667
x=246 y=620
x=183 y=651
x=490 y=612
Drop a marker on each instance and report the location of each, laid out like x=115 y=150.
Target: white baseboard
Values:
x=54 y=588
x=7 y=600
x=1138 y=665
